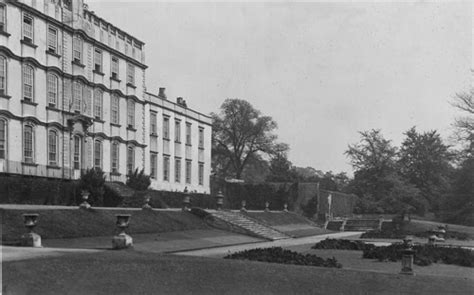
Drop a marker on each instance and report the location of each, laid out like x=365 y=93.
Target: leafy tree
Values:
x=281 y=169
x=93 y=181
x=465 y=124
x=425 y=163
x=239 y=133
x=138 y=180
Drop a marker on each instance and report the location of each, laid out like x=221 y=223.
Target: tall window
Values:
x=98 y=100
x=153 y=165
x=188 y=172
x=28 y=82
x=130 y=159
x=115 y=67
x=166 y=127
x=77 y=96
x=130 y=113
x=188 y=133
x=115 y=157
x=98 y=154
x=3 y=74
x=3 y=139
x=201 y=137
x=98 y=60
x=166 y=168
x=77 y=49
x=77 y=152
x=52 y=40
x=177 y=131
x=153 y=123
x=28 y=144
x=115 y=109
x=177 y=170
x=130 y=74
x=52 y=86
x=53 y=148
x=3 y=19
x=28 y=28
x=201 y=173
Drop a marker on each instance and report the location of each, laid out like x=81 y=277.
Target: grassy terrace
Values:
x=70 y=223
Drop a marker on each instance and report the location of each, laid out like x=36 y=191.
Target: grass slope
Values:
x=57 y=223
x=130 y=272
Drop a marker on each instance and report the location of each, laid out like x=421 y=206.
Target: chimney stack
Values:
x=161 y=93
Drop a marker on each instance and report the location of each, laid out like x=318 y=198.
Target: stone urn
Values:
x=122 y=240
x=267 y=206
x=407 y=257
x=243 y=204
x=186 y=200
x=85 y=197
x=147 y=205
x=30 y=239
x=285 y=207
x=219 y=200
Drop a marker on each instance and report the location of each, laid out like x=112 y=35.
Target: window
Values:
x=166 y=127
x=77 y=49
x=115 y=109
x=77 y=153
x=98 y=154
x=153 y=167
x=28 y=82
x=166 y=168
x=177 y=170
x=188 y=133
x=115 y=67
x=201 y=173
x=177 y=131
x=130 y=159
x=28 y=28
x=201 y=137
x=3 y=74
x=52 y=88
x=3 y=139
x=28 y=144
x=153 y=123
x=77 y=96
x=98 y=60
x=130 y=74
x=53 y=148
x=3 y=23
x=52 y=40
x=98 y=101
x=115 y=157
x=188 y=172
x=130 y=113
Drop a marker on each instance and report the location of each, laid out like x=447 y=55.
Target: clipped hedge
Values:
x=279 y=255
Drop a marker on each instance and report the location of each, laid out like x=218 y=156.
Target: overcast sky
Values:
x=323 y=71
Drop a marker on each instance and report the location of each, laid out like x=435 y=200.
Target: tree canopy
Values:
x=240 y=133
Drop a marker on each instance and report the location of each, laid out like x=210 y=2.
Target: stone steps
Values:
x=249 y=224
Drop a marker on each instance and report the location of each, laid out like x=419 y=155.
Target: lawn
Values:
x=132 y=272
x=70 y=223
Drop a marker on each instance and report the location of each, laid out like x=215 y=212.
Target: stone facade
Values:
x=73 y=96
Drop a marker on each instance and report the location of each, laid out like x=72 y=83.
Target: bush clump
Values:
x=341 y=245
x=279 y=255
x=424 y=254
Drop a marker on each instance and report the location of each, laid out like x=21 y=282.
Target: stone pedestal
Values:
x=122 y=241
x=31 y=240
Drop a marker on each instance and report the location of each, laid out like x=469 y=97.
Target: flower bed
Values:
x=341 y=245
x=279 y=255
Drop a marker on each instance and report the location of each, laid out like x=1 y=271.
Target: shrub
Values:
x=310 y=208
x=279 y=255
x=93 y=181
x=138 y=180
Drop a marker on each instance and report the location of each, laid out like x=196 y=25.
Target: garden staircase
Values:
x=249 y=224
